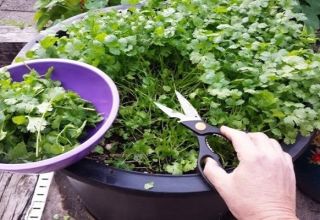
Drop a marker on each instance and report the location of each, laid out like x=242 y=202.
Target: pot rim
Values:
x=105 y=176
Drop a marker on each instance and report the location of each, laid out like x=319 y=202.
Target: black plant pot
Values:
x=115 y=194
x=308 y=175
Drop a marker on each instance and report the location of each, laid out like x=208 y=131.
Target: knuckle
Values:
x=287 y=156
x=274 y=140
x=261 y=157
x=258 y=135
x=275 y=143
x=268 y=157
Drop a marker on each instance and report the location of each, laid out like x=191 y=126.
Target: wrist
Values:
x=283 y=217
x=272 y=215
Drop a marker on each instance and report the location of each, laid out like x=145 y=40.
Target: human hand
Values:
x=263 y=185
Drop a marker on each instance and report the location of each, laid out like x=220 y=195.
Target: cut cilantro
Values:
x=149 y=185
x=39 y=119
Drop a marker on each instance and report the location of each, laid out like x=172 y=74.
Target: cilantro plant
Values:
x=39 y=119
x=53 y=11
x=248 y=64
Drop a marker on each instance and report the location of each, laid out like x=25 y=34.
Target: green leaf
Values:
x=315 y=4
x=44 y=107
x=175 y=168
x=3 y=135
x=95 y=4
x=53 y=149
x=18 y=151
x=48 y=41
x=166 y=88
x=149 y=185
x=36 y=124
x=42 y=19
x=312 y=17
x=130 y=2
x=54 y=92
x=99 y=149
x=19 y=120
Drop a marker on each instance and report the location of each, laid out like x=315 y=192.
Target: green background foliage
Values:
x=53 y=11
x=311 y=8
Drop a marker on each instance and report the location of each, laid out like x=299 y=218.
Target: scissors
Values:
x=192 y=120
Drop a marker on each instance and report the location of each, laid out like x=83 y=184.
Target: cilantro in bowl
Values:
x=39 y=119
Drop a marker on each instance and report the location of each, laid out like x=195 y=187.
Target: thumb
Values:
x=215 y=174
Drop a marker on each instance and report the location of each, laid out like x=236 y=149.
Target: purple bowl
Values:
x=91 y=84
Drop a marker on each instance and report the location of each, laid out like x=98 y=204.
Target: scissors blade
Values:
x=187 y=108
x=170 y=112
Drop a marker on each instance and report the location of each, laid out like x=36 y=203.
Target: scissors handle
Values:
x=203 y=130
x=206 y=151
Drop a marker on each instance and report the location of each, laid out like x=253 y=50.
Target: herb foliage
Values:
x=247 y=64
x=39 y=119
x=311 y=8
x=53 y=11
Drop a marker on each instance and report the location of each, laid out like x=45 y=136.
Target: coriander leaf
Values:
x=99 y=149
x=175 y=168
x=44 y=107
x=19 y=120
x=36 y=124
x=3 y=135
x=18 y=151
x=54 y=92
x=149 y=185
x=131 y=2
x=94 y=4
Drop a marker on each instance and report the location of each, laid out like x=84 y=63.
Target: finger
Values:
x=289 y=160
x=241 y=142
x=275 y=145
x=215 y=174
x=262 y=143
x=290 y=174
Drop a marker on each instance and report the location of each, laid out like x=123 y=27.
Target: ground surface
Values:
x=16 y=189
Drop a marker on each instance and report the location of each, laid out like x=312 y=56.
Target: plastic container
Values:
x=308 y=175
x=91 y=84
x=113 y=194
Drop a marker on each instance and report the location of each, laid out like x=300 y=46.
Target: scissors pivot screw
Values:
x=200 y=126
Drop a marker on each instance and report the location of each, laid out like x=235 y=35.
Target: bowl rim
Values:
x=90 y=141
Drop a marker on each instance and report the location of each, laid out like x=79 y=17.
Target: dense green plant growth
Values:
x=243 y=63
x=49 y=11
x=39 y=119
x=53 y=11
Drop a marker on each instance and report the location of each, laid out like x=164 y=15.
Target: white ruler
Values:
x=39 y=198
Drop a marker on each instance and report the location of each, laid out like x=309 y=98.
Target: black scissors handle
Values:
x=202 y=131
x=205 y=151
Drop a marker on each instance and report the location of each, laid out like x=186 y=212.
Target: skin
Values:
x=263 y=185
